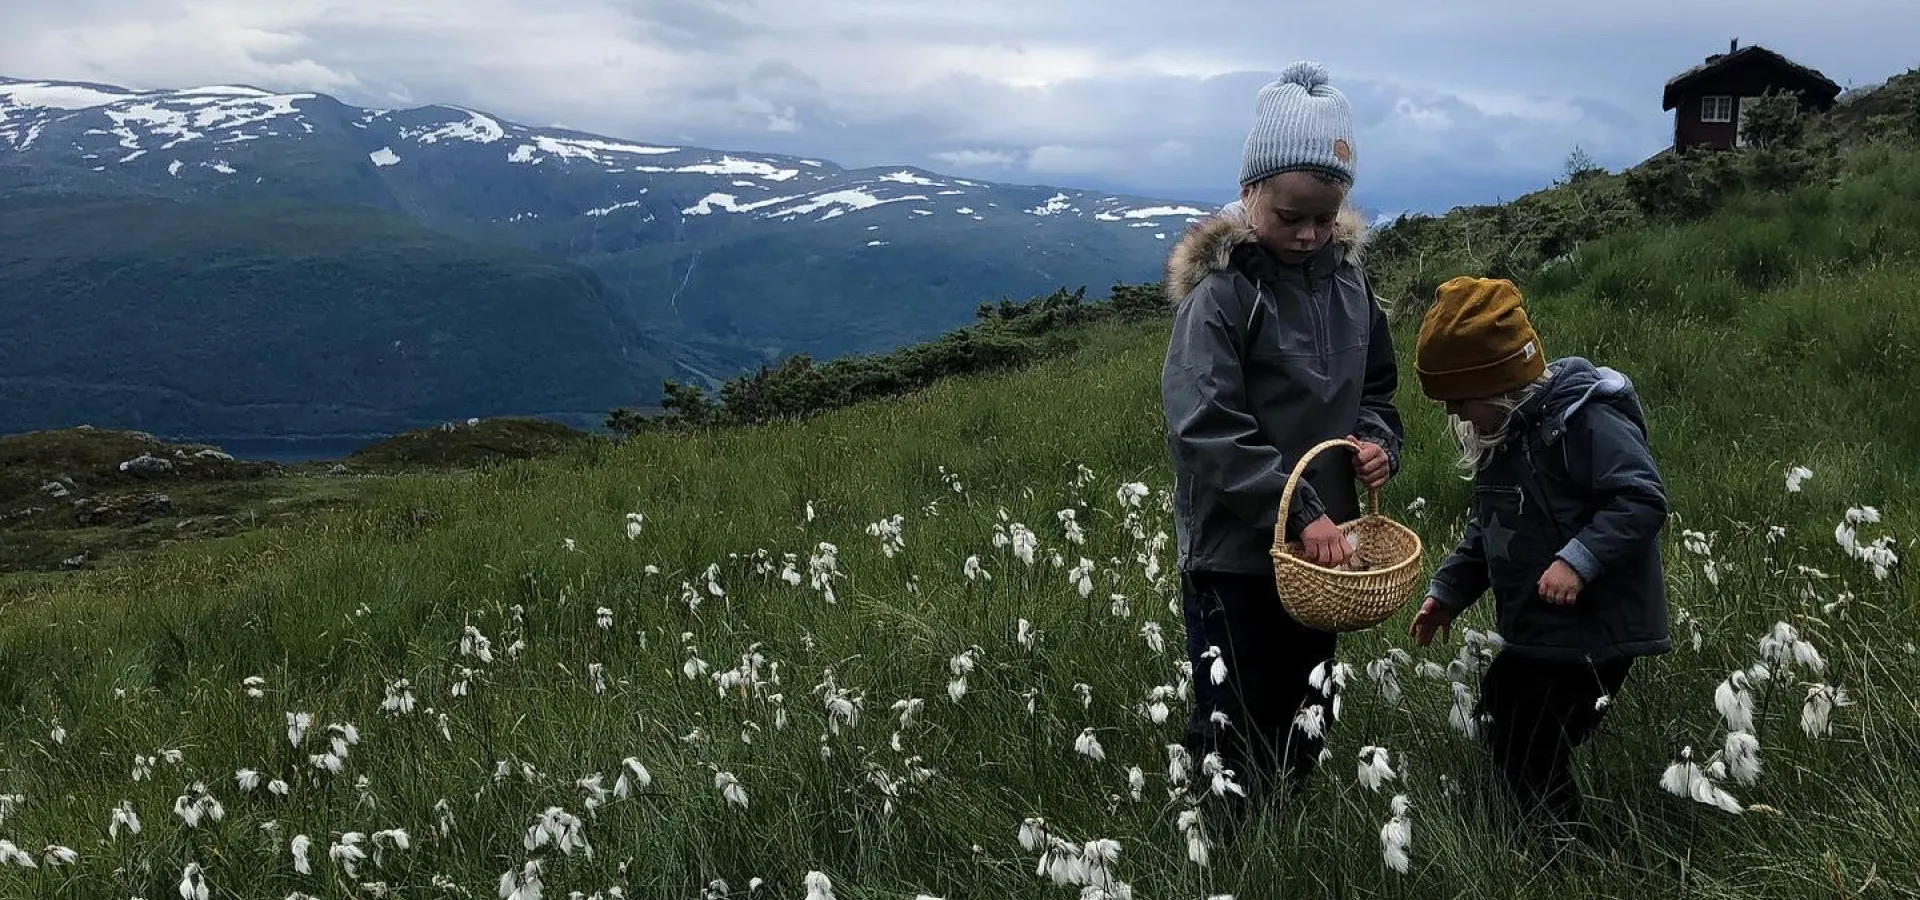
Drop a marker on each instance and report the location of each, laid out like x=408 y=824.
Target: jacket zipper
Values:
x=1320 y=331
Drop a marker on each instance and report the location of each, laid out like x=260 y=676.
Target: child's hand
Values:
x=1561 y=585
x=1324 y=544
x=1431 y=618
x=1370 y=464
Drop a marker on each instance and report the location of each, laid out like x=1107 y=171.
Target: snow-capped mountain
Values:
x=723 y=259
x=226 y=137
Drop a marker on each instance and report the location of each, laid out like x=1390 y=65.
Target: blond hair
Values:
x=1477 y=448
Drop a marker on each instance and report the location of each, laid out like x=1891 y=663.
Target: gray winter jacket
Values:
x=1576 y=482
x=1265 y=361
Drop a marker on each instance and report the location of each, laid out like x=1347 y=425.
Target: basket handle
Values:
x=1300 y=471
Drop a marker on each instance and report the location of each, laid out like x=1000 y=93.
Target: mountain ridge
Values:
x=724 y=259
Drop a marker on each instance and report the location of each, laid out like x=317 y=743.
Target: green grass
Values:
x=1757 y=341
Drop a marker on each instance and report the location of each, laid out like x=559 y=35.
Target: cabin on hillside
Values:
x=1708 y=99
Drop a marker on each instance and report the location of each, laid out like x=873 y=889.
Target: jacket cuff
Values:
x=1306 y=509
x=1582 y=560
x=1386 y=440
x=1447 y=595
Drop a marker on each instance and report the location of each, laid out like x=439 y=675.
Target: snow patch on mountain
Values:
x=608 y=210
x=1055 y=205
x=1149 y=212
x=384 y=157
x=476 y=127
x=580 y=148
x=905 y=177
x=56 y=96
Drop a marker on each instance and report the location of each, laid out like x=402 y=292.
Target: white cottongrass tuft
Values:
x=1088 y=745
x=1796 y=477
x=1743 y=757
x=1685 y=778
x=1396 y=837
x=1734 y=700
x=1816 y=713
x=730 y=789
x=1374 y=767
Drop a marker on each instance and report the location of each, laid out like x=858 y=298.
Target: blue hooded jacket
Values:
x=1575 y=482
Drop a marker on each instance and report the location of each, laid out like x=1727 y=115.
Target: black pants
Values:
x=1540 y=711
x=1269 y=657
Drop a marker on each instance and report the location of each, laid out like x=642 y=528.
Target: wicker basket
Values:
x=1349 y=598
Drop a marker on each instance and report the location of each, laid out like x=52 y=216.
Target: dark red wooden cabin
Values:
x=1707 y=99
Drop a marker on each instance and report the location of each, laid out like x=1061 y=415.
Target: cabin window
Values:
x=1718 y=108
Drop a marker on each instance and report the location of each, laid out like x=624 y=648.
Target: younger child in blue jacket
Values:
x=1564 y=531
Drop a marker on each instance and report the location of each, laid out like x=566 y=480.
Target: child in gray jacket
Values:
x=1277 y=345
x=1564 y=531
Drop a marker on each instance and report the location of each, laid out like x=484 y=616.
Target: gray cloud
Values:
x=1456 y=102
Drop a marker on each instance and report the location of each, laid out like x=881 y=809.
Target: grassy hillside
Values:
x=270 y=319
x=1779 y=332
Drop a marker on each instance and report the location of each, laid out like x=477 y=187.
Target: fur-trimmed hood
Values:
x=1207 y=246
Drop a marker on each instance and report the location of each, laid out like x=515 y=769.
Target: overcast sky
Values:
x=1464 y=101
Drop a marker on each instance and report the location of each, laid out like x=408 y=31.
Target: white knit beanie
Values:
x=1300 y=122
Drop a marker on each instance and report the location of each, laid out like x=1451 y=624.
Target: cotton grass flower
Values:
x=1374 y=767
x=1154 y=708
x=1070 y=525
x=1192 y=827
x=1088 y=745
x=1217 y=672
x=196 y=805
x=11 y=855
x=1396 y=837
x=298 y=847
x=1783 y=647
x=473 y=643
x=395 y=838
x=123 y=817
x=1742 y=755
x=730 y=789
x=1179 y=764
x=1816 y=713
x=399 y=700
x=563 y=830
x=1460 y=714
x=1155 y=638
x=193 y=884
x=1081 y=577
x=1685 y=778
x=633 y=776
x=1735 y=702
x=346 y=853
x=1385 y=672
x=522 y=885
x=1796 y=477
x=1221 y=779
x=974 y=571
x=1311 y=721
x=297 y=725
x=891 y=532
x=819 y=887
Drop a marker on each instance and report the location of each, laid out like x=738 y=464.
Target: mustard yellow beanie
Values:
x=1476 y=342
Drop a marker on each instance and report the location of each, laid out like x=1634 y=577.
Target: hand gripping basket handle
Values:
x=1293 y=482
